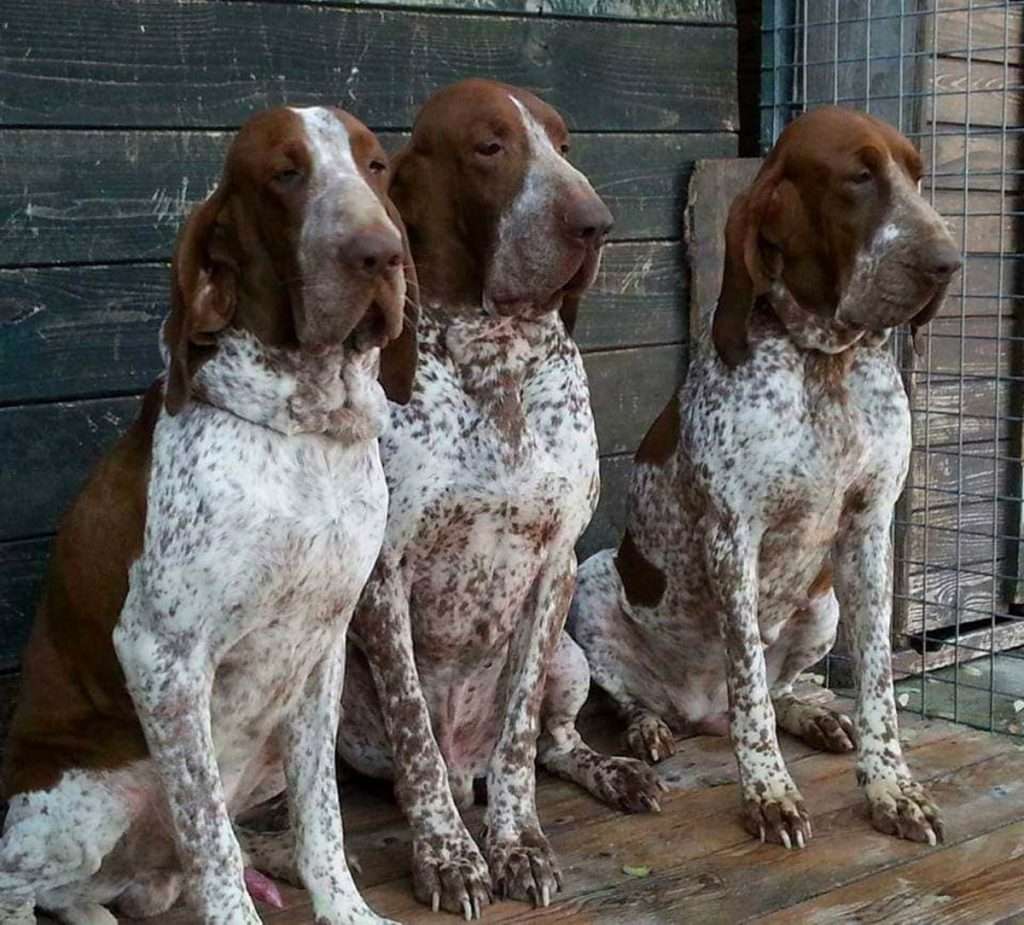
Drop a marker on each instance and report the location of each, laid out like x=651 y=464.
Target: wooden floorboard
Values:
x=704 y=868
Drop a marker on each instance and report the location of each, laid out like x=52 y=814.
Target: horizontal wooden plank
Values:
x=978 y=160
x=97 y=196
x=697 y=11
x=984 y=222
x=974 y=90
x=210 y=64
x=988 y=34
x=48 y=452
x=988 y=471
x=50 y=448
x=74 y=332
x=944 y=413
x=937 y=597
x=973 y=346
x=975 y=881
x=702 y=11
x=22 y=567
x=23 y=562
x=972 y=644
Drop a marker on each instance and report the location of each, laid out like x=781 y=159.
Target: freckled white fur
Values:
x=518 y=264
x=232 y=639
x=780 y=464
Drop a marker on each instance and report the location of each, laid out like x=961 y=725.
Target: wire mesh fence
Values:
x=950 y=75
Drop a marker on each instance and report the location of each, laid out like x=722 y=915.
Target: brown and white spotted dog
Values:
x=779 y=461
x=493 y=473
x=187 y=658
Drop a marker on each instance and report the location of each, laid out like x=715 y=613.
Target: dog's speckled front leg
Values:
x=448 y=870
x=773 y=807
x=522 y=864
x=170 y=681
x=899 y=805
x=309 y=762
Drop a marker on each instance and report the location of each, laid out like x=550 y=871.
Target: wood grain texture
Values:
x=75 y=332
x=713 y=186
x=209 y=64
x=702 y=11
x=989 y=33
x=102 y=196
x=704 y=868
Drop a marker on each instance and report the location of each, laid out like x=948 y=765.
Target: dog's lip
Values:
x=574 y=285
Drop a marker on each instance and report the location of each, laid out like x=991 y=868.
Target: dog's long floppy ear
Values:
x=745 y=276
x=398 y=359
x=204 y=295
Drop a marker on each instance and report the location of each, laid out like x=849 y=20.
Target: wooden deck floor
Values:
x=704 y=868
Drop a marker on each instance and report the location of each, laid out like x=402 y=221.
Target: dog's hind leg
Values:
x=55 y=841
x=624 y=783
x=808 y=637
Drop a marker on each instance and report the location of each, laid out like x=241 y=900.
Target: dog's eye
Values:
x=862 y=177
x=378 y=166
x=564 y=149
x=489 y=148
x=288 y=177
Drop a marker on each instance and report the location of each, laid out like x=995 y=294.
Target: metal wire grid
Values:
x=948 y=74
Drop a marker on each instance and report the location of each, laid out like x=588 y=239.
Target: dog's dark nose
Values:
x=587 y=219
x=941 y=260
x=373 y=250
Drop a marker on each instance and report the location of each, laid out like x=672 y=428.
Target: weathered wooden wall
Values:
x=114 y=116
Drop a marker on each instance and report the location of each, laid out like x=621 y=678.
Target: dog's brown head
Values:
x=497 y=215
x=835 y=222
x=300 y=245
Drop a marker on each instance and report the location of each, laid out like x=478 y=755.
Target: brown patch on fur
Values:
x=643 y=582
x=822 y=584
x=828 y=370
x=855 y=502
x=662 y=437
x=73 y=709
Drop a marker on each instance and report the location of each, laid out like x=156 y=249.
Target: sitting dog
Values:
x=457 y=655
x=779 y=461
x=187 y=658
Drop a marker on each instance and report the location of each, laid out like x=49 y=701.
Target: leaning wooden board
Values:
x=113 y=122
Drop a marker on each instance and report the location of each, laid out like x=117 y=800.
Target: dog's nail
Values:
x=932 y=840
x=761 y=834
x=467 y=910
x=785 y=839
x=799 y=838
x=435 y=902
x=546 y=895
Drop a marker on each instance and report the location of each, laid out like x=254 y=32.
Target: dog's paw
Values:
x=902 y=807
x=649 y=738
x=821 y=728
x=778 y=817
x=524 y=868
x=450 y=873
x=629 y=784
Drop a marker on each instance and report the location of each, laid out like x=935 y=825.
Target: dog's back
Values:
x=74 y=711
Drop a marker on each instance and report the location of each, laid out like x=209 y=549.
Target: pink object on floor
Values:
x=262 y=888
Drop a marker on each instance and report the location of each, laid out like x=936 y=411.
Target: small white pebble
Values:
x=903 y=699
